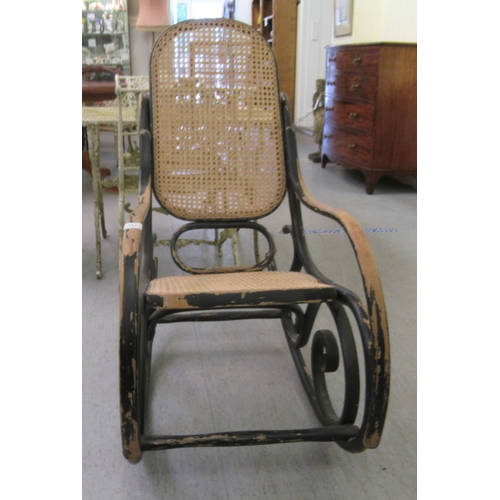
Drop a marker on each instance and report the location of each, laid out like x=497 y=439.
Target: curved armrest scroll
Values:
x=375 y=305
x=375 y=316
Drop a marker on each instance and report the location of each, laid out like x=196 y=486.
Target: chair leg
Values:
x=121 y=207
x=218 y=243
x=120 y=152
x=94 y=144
x=220 y=239
x=234 y=246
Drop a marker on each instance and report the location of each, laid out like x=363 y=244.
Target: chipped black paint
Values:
x=251 y=299
x=140 y=313
x=250 y=438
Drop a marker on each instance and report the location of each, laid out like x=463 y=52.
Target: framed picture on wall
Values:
x=342 y=24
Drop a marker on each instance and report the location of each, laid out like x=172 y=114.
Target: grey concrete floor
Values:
x=237 y=376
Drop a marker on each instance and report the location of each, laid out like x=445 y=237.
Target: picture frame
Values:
x=342 y=17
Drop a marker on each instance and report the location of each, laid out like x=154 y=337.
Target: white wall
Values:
x=243 y=11
x=373 y=21
x=314 y=17
x=382 y=21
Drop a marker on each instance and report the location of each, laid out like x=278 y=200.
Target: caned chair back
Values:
x=217 y=132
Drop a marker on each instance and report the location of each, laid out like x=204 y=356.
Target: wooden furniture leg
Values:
x=371 y=179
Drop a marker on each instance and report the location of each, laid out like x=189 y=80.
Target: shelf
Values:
x=109 y=33
x=115 y=25
x=107 y=62
x=101 y=10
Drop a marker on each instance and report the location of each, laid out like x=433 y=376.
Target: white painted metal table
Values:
x=93 y=118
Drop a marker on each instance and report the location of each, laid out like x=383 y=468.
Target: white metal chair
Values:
x=94 y=118
x=128 y=90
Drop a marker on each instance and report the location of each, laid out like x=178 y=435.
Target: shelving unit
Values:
x=277 y=21
x=105 y=34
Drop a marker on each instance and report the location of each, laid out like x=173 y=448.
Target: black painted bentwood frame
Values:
x=359 y=423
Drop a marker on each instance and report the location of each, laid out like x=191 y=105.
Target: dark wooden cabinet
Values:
x=371 y=109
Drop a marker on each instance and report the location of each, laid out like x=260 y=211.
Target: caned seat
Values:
x=218 y=151
x=236 y=289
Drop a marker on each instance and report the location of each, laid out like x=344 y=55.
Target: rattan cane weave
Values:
x=218 y=151
x=173 y=289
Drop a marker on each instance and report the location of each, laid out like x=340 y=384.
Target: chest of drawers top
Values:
x=353 y=70
x=359 y=56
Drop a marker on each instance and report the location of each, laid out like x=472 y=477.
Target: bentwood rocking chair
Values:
x=218 y=150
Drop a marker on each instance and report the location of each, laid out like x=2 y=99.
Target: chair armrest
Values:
x=132 y=231
x=138 y=219
x=372 y=318
x=357 y=237
x=137 y=268
x=355 y=233
x=133 y=282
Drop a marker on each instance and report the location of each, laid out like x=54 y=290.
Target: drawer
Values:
x=359 y=60
x=357 y=148
x=355 y=115
x=351 y=86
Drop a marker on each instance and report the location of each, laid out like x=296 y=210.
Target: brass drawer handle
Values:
x=353 y=115
x=355 y=87
x=356 y=60
x=351 y=146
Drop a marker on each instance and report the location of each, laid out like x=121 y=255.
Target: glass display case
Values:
x=105 y=34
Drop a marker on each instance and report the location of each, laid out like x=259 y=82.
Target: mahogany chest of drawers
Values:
x=370 y=109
